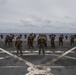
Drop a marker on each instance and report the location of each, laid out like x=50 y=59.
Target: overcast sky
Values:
x=53 y=16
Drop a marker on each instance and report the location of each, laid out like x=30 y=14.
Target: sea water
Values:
x=37 y=34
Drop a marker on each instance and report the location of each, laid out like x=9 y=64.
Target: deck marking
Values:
x=41 y=66
x=59 y=57
x=33 y=69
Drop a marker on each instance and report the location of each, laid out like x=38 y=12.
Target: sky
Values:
x=37 y=16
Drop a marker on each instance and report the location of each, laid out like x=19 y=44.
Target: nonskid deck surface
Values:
x=58 y=61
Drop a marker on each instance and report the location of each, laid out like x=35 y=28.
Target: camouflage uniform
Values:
x=72 y=40
x=45 y=41
x=7 y=40
x=61 y=40
x=18 y=45
x=41 y=44
x=30 y=41
x=52 y=41
x=10 y=40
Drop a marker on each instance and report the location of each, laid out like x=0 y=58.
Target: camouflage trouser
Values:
x=7 y=42
x=60 y=43
x=10 y=43
x=19 y=50
x=30 y=44
x=46 y=44
x=72 y=42
x=52 y=44
x=41 y=48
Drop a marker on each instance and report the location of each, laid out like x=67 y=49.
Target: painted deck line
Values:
x=59 y=57
x=38 y=51
x=41 y=66
x=32 y=68
x=11 y=66
x=16 y=57
x=39 y=55
x=4 y=57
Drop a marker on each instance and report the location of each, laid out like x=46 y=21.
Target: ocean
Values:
x=37 y=34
